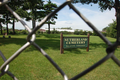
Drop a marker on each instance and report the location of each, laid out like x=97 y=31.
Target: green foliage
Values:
x=48 y=8
x=17 y=32
x=47 y=31
x=94 y=33
x=35 y=12
x=76 y=32
x=10 y=32
x=90 y=32
x=104 y=33
x=7 y=17
x=85 y=33
x=38 y=32
x=67 y=28
x=111 y=29
x=64 y=32
x=81 y=32
x=55 y=31
x=23 y=32
x=4 y=31
x=103 y=4
x=104 y=29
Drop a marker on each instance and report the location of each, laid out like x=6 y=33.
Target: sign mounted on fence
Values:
x=73 y=42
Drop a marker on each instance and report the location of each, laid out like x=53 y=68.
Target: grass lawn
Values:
x=32 y=65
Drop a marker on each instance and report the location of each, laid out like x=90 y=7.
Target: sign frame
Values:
x=73 y=42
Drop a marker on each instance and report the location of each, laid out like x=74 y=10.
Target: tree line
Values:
x=109 y=31
x=54 y=31
x=34 y=10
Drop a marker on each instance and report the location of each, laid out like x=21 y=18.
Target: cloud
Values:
x=18 y=25
x=102 y=19
x=96 y=17
x=57 y=3
x=68 y=22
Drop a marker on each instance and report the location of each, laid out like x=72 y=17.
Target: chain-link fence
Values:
x=31 y=38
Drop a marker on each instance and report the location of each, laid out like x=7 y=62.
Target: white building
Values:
x=68 y=30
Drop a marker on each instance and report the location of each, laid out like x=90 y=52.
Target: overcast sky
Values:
x=68 y=18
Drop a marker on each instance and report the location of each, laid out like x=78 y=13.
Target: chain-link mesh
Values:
x=30 y=41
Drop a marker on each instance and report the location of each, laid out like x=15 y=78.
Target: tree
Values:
x=35 y=10
x=111 y=29
x=90 y=32
x=8 y=17
x=67 y=28
x=81 y=32
x=94 y=34
x=1 y=27
x=76 y=32
x=103 y=4
x=49 y=7
x=5 y=17
x=2 y=20
x=84 y=32
x=104 y=29
x=16 y=6
x=106 y=4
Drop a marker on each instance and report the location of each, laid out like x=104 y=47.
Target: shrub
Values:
x=104 y=33
x=94 y=34
x=76 y=32
x=24 y=32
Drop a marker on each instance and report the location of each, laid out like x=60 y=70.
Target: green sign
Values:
x=75 y=42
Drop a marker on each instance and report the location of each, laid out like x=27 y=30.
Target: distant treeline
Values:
x=109 y=31
x=76 y=32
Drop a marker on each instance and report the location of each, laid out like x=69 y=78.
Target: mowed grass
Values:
x=32 y=65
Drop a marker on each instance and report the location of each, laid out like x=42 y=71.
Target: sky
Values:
x=68 y=18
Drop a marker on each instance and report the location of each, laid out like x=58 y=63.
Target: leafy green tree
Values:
x=81 y=32
x=94 y=34
x=21 y=7
x=2 y=19
x=8 y=17
x=104 y=29
x=90 y=32
x=35 y=10
x=17 y=5
x=1 y=27
x=76 y=32
x=50 y=7
x=106 y=4
x=103 y=4
x=111 y=29
x=67 y=28
x=84 y=32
